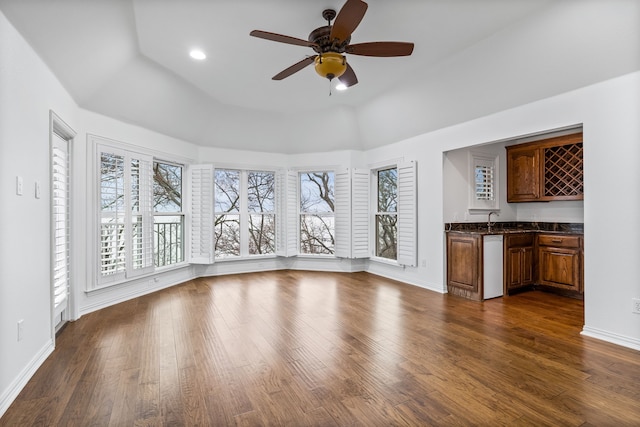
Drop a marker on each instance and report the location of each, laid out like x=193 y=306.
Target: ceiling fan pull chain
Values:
x=329 y=87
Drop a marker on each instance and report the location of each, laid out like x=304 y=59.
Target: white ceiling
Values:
x=128 y=59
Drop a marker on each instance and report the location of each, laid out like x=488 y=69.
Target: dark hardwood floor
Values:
x=326 y=349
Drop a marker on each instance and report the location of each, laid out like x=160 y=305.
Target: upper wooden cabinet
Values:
x=550 y=169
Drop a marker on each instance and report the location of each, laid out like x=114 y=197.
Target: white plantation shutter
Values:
x=293 y=224
x=484 y=181
x=360 y=217
x=141 y=215
x=126 y=214
x=342 y=189
x=281 y=213
x=111 y=203
x=201 y=209
x=60 y=212
x=407 y=214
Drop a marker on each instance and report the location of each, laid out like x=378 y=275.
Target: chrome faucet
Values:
x=489 y=223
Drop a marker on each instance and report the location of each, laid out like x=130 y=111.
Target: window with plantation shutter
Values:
x=395 y=220
x=483 y=177
x=126 y=215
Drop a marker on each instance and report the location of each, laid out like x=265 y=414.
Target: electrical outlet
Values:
x=636 y=305
x=20 y=329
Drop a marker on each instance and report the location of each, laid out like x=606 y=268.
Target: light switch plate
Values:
x=37 y=189
x=19 y=185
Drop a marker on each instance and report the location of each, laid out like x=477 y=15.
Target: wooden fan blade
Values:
x=294 y=68
x=282 y=39
x=348 y=19
x=349 y=77
x=381 y=49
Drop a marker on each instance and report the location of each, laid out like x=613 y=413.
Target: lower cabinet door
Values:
x=560 y=268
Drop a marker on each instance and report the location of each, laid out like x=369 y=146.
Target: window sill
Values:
x=316 y=256
x=125 y=281
x=483 y=210
x=387 y=261
x=245 y=258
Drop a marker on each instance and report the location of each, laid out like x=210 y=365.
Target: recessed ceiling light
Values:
x=197 y=54
x=341 y=86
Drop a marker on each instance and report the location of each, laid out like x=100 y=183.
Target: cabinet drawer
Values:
x=519 y=240
x=559 y=241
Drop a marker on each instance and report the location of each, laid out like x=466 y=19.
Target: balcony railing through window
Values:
x=168 y=245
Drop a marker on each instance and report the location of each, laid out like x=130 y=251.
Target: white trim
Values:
x=93 y=139
x=611 y=337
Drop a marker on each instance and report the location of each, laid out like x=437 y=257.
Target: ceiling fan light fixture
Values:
x=330 y=65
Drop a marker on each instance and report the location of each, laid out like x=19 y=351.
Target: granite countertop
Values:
x=514 y=227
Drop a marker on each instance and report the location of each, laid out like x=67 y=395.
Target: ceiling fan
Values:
x=331 y=42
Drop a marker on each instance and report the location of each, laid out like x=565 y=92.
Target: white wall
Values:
x=28 y=91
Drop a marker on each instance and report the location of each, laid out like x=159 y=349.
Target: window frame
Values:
x=377 y=213
x=181 y=214
x=300 y=213
x=244 y=214
x=475 y=204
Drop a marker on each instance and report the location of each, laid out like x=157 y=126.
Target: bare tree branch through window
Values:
x=317 y=218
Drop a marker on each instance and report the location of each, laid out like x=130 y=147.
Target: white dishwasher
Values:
x=493 y=271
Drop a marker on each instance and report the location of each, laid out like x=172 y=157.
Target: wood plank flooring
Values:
x=330 y=349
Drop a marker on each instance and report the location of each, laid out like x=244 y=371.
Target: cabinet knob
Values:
x=556 y=240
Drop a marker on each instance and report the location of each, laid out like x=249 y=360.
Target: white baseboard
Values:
x=9 y=395
x=427 y=286
x=611 y=337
